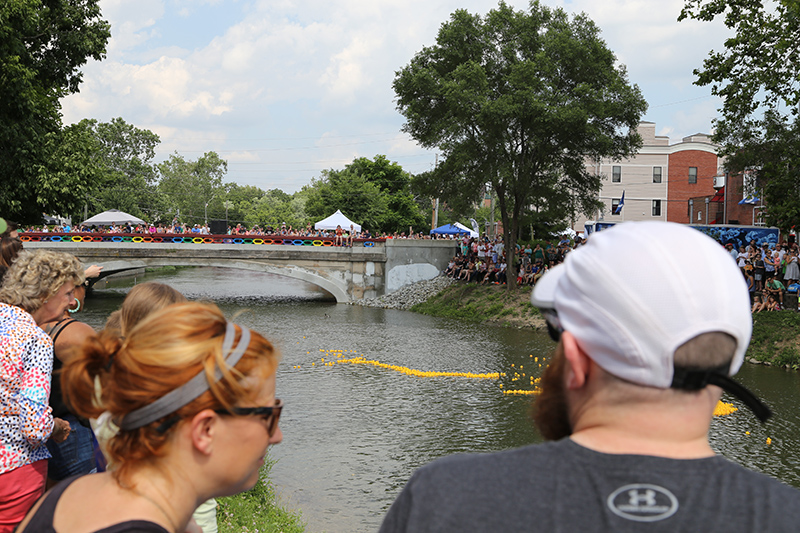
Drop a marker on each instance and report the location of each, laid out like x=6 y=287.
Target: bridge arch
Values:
x=290 y=271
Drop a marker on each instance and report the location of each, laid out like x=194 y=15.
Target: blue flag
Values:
x=618 y=210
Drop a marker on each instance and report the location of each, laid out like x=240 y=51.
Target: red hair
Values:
x=163 y=352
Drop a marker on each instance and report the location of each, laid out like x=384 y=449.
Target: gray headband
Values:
x=192 y=389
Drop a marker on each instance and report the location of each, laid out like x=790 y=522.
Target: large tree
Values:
x=520 y=100
x=757 y=75
x=125 y=154
x=43 y=43
x=194 y=188
x=358 y=198
x=402 y=210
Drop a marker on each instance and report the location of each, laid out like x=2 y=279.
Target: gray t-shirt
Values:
x=564 y=487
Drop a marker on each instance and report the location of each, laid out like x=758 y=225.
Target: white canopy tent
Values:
x=472 y=233
x=111 y=217
x=337 y=219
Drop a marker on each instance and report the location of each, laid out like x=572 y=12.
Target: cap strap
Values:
x=192 y=389
x=698 y=379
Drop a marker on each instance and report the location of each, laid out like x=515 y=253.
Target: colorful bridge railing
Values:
x=148 y=238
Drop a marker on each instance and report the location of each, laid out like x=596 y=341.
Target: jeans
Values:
x=73 y=456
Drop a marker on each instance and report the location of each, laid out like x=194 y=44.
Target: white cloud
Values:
x=288 y=71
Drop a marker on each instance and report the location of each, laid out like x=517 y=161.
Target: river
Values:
x=354 y=433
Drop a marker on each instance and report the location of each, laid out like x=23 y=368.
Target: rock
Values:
x=407 y=297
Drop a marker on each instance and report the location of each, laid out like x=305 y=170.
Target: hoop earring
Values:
x=77 y=308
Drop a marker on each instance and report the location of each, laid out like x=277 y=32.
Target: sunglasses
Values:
x=554 y=328
x=270 y=414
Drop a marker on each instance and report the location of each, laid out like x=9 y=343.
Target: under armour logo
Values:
x=642 y=503
x=636 y=498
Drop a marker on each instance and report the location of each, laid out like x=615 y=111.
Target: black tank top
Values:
x=56 y=398
x=42 y=521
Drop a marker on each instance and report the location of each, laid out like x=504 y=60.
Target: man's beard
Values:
x=550 y=413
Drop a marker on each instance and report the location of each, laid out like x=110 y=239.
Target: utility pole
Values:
x=435 y=220
x=494 y=224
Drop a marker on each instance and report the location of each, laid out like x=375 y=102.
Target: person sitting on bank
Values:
x=775 y=288
x=626 y=401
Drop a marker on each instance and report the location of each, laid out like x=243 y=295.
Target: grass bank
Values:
x=258 y=510
x=776 y=337
x=484 y=303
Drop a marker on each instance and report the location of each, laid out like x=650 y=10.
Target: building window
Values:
x=656 y=208
x=656 y=174
x=692 y=174
x=616 y=174
x=614 y=206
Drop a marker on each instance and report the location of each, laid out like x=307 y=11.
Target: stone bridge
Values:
x=367 y=270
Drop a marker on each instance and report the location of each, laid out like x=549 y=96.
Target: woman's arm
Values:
x=36 y=418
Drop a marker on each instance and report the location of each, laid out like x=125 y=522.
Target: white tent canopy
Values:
x=110 y=217
x=472 y=233
x=337 y=219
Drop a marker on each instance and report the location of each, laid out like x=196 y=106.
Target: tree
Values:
x=275 y=208
x=520 y=100
x=72 y=174
x=125 y=154
x=757 y=78
x=194 y=188
x=240 y=200
x=402 y=210
x=358 y=198
x=43 y=43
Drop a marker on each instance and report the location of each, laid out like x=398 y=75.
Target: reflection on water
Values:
x=353 y=434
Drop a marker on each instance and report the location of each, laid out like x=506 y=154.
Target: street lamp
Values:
x=206 y=208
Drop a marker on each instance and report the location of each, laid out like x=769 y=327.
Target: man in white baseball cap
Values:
x=647 y=340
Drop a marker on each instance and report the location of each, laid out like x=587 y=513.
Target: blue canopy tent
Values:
x=449 y=229
x=453 y=229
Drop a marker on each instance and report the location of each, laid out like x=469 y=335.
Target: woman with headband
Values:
x=194 y=398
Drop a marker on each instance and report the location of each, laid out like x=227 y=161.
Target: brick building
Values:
x=663 y=181
x=693 y=171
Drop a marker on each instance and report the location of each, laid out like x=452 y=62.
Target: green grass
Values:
x=775 y=340
x=257 y=510
x=479 y=303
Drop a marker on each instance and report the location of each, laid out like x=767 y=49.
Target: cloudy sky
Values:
x=283 y=89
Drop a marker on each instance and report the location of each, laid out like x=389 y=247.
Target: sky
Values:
x=283 y=90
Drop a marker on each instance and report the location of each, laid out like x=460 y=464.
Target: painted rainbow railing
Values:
x=188 y=238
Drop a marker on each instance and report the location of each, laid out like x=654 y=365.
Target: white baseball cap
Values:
x=636 y=292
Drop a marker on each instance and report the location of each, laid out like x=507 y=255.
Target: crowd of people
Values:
x=484 y=260
x=138 y=427
x=255 y=230
x=771 y=272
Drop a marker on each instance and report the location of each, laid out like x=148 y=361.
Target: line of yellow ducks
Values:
x=721 y=409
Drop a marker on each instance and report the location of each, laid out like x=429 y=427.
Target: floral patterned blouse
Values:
x=26 y=362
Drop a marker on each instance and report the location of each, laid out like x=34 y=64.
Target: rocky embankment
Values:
x=410 y=295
